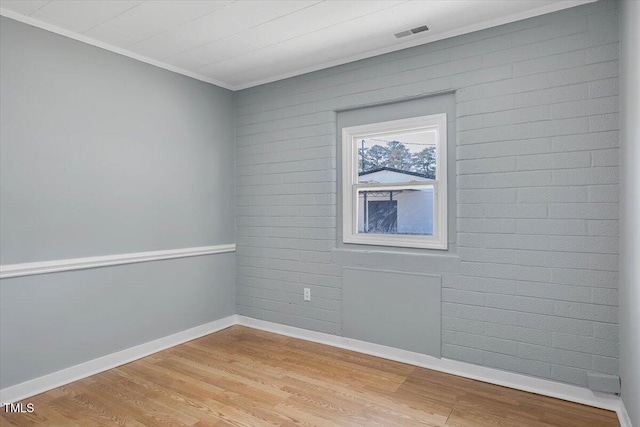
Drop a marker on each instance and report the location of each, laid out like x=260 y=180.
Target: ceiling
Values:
x=240 y=44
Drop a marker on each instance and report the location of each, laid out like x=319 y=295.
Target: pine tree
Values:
x=399 y=156
x=376 y=157
x=424 y=162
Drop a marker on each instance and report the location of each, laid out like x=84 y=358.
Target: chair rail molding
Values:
x=56 y=266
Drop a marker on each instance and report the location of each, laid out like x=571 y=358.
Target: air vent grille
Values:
x=403 y=34
x=411 y=31
x=419 y=29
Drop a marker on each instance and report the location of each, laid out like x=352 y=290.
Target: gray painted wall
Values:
x=531 y=285
x=406 y=315
x=101 y=154
x=630 y=208
x=54 y=321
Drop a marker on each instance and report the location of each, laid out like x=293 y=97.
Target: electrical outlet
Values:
x=307 y=294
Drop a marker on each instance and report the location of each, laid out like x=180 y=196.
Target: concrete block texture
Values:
x=534 y=177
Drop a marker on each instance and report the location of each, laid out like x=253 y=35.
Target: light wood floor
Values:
x=245 y=377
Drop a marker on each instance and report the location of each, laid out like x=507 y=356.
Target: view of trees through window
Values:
x=408 y=153
x=398 y=197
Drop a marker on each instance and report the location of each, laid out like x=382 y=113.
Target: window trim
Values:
x=350 y=185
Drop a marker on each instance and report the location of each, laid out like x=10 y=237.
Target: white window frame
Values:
x=350 y=186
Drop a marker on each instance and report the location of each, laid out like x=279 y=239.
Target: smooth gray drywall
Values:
x=54 y=321
x=532 y=284
x=630 y=208
x=405 y=316
x=101 y=154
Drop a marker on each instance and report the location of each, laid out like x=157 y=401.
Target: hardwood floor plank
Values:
x=232 y=379
x=243 y=377
x=464 y=417
x=385 y=416
x=385 y=401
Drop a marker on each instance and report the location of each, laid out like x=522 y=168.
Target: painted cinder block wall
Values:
x=530 y=282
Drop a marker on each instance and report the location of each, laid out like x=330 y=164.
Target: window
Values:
x=394 y=181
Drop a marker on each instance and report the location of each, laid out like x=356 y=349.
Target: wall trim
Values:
x=623 y=415
x=483 y=25
x=494 y=376
x=74 y=373
x=549 y=8
x=121 y=51
x=31 y=268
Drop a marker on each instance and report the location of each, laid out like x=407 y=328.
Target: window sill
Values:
x=406 y=260
x=410 y=243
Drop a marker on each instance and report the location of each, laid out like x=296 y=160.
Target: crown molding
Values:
x=420 y=40
x=424 y=38
x=121 y=51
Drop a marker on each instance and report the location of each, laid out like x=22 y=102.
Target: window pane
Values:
x=403 y=157
x=398 y=211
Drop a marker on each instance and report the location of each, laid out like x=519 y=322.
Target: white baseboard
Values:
x=623 y=415
x=65 y=376
x=494 y=376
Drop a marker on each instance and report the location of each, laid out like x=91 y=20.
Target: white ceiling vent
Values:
x=412 y=31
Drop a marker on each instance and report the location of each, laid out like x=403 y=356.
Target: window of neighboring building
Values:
x=394 y=181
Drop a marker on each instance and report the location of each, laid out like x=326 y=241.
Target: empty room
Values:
x=320 y=213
